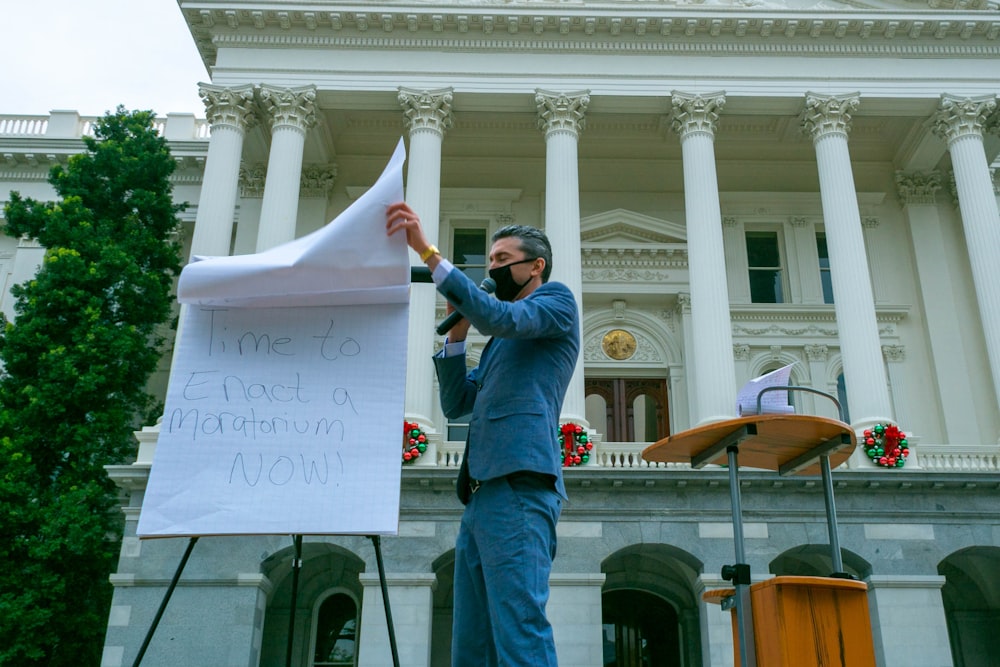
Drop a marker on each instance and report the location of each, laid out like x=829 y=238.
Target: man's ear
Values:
x=538 y=268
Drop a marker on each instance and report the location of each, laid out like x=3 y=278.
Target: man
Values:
x=513 y=487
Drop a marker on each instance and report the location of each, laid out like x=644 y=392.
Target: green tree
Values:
x=76 y=361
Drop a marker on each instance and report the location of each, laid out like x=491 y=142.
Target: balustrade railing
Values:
x=38 y=126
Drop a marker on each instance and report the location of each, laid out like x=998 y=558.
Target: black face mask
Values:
x=507 y=287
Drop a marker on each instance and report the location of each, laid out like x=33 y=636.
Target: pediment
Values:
x=620 y=226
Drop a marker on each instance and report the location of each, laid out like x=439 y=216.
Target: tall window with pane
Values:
x=765 y=270
x=469 y=254
x=824 y=268
x=336 y=632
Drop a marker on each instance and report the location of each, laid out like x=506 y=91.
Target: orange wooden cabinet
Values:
x=808 y=622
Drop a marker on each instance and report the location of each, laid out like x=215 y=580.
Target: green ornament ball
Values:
x=422 y=447
x=903 y=443
x=583 y=438
x=415 y=433
x=585 y=458
x=879 y=428
x=871 y=453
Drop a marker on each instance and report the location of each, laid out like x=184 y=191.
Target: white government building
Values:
x=730 y=187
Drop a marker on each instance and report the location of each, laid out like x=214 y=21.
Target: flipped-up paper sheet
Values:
x=284 y=411
x=772 y=402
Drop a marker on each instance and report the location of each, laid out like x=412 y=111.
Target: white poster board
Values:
x=284 y=411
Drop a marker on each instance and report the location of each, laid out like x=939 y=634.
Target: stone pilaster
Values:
x=961 y=122
x=827 y=119
x=292 y=112
x=561 y=119
x=694 y=118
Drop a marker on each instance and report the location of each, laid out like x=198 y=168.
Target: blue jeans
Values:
x=503 y=556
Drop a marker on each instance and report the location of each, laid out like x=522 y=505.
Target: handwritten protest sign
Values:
x=287 y=420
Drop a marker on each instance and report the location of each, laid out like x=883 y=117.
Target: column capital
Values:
x=829 y=114
x=293 y=107
x=741 y=352
x=894 y=352
x=252 y=179
x=959 y=117
x=816 y=352
x=917 y=187
x=317 y=180
x=228 y=106
x=426 y=109
x=694 y=112
x=561 y=111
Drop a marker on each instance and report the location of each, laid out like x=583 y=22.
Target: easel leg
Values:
x=385 y=599
x=296 y=567
x=741 y=571
x=166 y=599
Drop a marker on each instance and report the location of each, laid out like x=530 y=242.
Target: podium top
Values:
x=789 y=444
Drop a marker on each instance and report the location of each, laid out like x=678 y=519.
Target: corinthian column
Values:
x=427 y=116
x=694 y=119
x=828 y=120
x=230 y=113
x=960 y=122
x=561 y=118
x=292 y=112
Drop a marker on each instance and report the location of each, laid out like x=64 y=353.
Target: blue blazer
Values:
x=516 y=393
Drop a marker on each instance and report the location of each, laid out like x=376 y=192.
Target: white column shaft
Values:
x=864 y=371
x=981 y=222
x=562 y=226
x=714 y=368
x=280 y=207
x=423 y=194
x=213 y=228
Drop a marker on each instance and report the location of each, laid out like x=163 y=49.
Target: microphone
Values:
x=488 y=285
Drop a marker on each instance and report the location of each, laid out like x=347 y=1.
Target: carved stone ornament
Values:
x=228 y=106
x=317 y=180
x=696 y=113
x=562 y=111
x=829 y=114
x=918 y=187
x=959 y=117
x=618 y=344
x=426 y=109
x=252 y=179
x=289 y=107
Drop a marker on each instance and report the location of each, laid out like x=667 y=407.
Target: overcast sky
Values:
x=92 y=55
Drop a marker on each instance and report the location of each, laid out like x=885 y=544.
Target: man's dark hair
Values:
x=534 y=244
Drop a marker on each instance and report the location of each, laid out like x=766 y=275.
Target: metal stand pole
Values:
x=385 y=599
x=163 y=604
x=831 y=519
x=740 y=572
x=296 y=567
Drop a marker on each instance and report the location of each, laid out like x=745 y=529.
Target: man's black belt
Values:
x=475 y=484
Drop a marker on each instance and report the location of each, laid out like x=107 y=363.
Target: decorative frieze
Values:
x=426 y=109
x=229 y=106
x=562 y=112
x=828 y=114
x=959 y=117
x=918 y=187
x=696 y=113
x=289 y=107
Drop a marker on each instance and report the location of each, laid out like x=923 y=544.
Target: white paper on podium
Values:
x=285 y=407
x=773 y=402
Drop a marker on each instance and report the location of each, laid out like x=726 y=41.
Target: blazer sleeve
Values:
x=550 y=311
x=458 y=389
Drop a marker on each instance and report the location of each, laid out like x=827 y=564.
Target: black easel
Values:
x=296 y=567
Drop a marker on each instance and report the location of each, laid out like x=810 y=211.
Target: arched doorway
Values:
x=971 y=597
x=628 y=409
x=640 y=630
x=650 y=610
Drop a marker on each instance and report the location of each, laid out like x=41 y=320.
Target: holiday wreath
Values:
x=886 y=445
x=414 y=441
x=575 y=444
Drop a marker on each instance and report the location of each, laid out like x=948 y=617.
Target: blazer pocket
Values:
x=512 y=408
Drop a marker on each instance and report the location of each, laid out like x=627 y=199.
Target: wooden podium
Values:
x=789 y=444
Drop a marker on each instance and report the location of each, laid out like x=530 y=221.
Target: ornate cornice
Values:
x=959 y=117
x=633 y=265
x=562 y=112
x=649 y=26
x=426 y=109
x=918 y=187
x=829 y=114
x=695 y=113
x=234 y=106
x=289 y=107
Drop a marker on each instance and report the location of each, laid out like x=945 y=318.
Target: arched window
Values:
x=336 y=630
x=842 y=397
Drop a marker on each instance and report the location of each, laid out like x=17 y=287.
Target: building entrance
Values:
x=628 y=409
